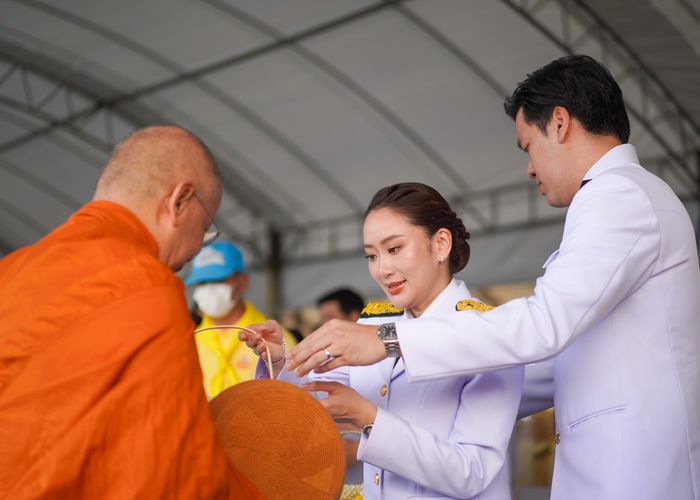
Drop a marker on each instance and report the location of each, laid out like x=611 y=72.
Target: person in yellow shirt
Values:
x=218 y=273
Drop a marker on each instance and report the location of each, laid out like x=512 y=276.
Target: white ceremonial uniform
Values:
x=538 y=388
x=437 y=439
x=619 y=306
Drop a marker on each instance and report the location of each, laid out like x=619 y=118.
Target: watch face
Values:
x=387 y=331
x=387 y=334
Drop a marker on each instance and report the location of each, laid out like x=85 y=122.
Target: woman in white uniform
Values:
x=439 y=439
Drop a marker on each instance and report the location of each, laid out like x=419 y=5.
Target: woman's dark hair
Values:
x=581 y=85
x=423 y=206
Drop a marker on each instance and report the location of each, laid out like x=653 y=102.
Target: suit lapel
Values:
x=398 y=369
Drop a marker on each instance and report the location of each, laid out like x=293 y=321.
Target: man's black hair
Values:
x=349 y=300
x=581 y=85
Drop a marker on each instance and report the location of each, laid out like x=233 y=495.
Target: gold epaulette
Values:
x=472 y=305
x=379 y=309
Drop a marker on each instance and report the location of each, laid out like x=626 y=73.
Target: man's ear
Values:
x=561 y=122
x=178 y=199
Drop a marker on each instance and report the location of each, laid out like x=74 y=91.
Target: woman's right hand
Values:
x=271 y=332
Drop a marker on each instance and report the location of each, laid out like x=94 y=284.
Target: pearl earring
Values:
x=442 y=259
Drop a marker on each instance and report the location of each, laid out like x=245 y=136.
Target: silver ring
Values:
x=328 y=354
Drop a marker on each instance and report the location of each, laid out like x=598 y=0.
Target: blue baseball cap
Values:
x=216 y=262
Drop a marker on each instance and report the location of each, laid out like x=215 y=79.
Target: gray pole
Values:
x=273 y=269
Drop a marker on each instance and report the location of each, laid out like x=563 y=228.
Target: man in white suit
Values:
x=618 y=306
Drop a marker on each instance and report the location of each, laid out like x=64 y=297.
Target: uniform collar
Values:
x=443 y=305
x=455 y=291
x=624 y=154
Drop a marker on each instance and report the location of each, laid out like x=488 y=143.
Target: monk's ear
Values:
x=179 y=200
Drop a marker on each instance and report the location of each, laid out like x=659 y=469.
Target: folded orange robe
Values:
x=100 y=387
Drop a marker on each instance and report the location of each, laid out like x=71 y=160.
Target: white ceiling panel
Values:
x=311 y=106
x=339 y=133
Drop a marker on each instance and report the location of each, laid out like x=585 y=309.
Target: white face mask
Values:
x=215 y=299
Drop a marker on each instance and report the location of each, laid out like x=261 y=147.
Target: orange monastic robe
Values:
x=100 y=387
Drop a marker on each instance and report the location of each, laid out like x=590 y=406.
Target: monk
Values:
x=100 y=387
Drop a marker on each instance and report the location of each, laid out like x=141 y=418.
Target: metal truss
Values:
x=509 y=208
x=571 y=25
x=653 y=107
x=366 y=97
x=294 y=43
x=29 y=103
x=93 y=123
x=194 y=77
x=107 y=101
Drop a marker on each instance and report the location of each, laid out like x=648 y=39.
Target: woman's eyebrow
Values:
x=388 y=238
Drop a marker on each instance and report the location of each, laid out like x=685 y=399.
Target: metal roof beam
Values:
x=650 y=87
x=133 y=112
x=183 y=75
x=320 y=240
x=359 y=92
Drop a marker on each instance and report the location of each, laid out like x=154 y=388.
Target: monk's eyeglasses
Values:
x=211 y=234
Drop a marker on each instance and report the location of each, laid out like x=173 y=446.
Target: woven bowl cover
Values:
x=281 y=439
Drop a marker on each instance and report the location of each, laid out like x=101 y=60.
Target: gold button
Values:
x=376 y=479
x=384 y=390
x=557 y=438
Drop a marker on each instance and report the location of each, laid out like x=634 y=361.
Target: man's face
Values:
x=331 y=310
x=547 y=163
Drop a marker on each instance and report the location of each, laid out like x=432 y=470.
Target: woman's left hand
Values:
x=344 y=403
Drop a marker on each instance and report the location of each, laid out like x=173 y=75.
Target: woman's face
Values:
x=404 y=261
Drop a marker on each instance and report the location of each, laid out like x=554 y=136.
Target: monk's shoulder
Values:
x=120 y=269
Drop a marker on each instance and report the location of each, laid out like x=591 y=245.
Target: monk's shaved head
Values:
x=169 y=180
x=152 y=160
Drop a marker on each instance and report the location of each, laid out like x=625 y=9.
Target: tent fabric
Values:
x=310 y=106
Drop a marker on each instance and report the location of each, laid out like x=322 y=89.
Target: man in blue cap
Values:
x=219 y=274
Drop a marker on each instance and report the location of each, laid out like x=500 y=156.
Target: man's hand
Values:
x=348 y=344
x=343 y=403
x=271 y=332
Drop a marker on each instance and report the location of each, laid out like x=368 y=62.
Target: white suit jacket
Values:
x=437 y=439
x=619 y=306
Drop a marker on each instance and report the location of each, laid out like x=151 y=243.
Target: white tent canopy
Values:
x=310 y=106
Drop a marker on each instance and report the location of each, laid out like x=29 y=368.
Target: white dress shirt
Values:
x=619 y=307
